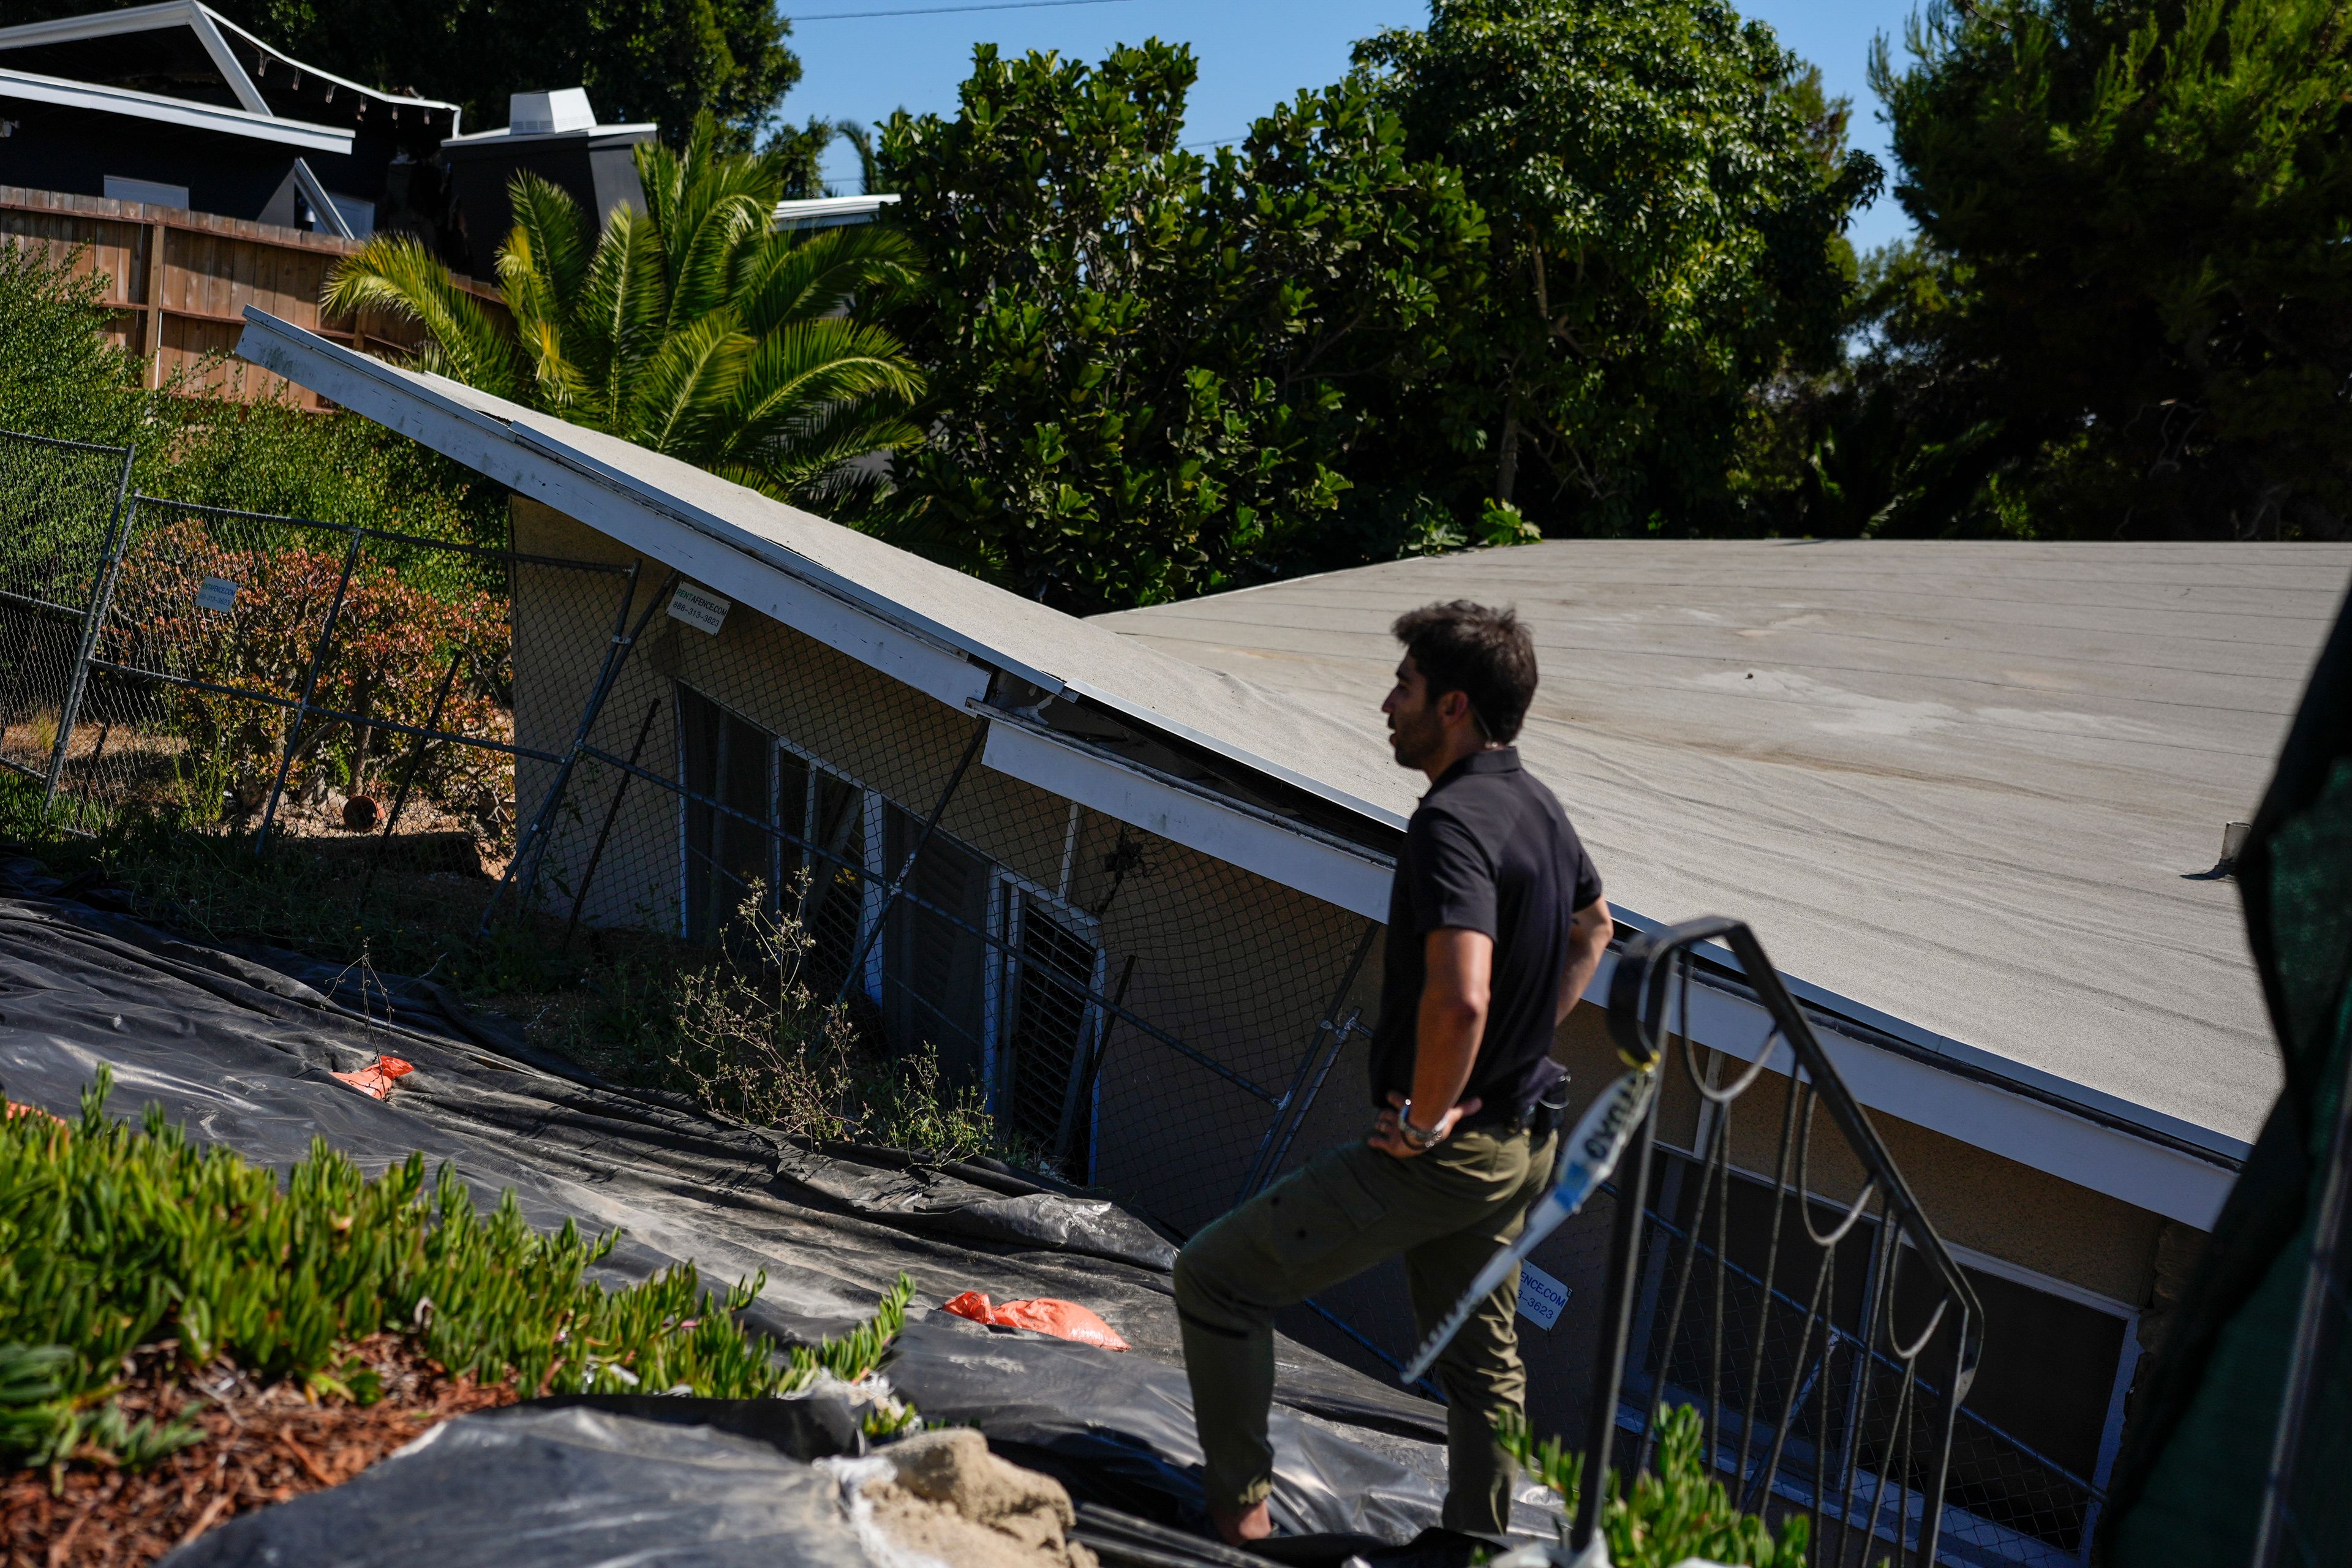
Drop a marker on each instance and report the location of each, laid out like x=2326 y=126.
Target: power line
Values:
x=944 y=10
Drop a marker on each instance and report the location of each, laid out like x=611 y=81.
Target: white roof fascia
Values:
x=173 y=112
x=535 y=466
x=201 y=20
x=323 y=210
x=1278 y=851
x=99 y=24
x=1226 y=749
x=829 y=212
x=2032 y=1132
x=1977 y=1061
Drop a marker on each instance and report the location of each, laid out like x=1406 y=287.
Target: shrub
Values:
x=1678 y=1514
x=393 y=645
x=62 y=378
x=114 y=1238
x=747 y=1035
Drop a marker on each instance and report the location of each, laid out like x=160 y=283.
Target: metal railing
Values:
x=1840 y=1421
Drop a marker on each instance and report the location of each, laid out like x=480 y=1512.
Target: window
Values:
x=995 y=974
x=935 y=957
x=122 y=189
x=1049 y=1035
x=827 y=882
x=727 y=761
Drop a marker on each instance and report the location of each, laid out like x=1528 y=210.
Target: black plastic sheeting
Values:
x=536 y=1486
x=239 y=1049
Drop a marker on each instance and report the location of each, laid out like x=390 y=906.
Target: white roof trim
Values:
x=1310 y=864
x=831 y=212
x=178 y=112
x=2030 y=1131
x=324 y=213
x=538 y=466
x=208 y=34
x=2092 y=1145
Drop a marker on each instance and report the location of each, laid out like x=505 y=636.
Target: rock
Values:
x=952 y=1499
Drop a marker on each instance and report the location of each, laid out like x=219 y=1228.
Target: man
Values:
x=1495 y=925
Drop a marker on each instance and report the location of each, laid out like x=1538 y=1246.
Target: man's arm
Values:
x=1588 y=938
x=1451 y=1022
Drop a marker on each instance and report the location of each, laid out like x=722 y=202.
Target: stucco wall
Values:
x=1233 y=967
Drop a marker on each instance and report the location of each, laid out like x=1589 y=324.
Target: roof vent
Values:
x=539 y=113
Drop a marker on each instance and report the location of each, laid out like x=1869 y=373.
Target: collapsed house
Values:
x=1126 y=876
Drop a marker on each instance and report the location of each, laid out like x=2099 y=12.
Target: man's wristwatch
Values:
x=1415 y=1137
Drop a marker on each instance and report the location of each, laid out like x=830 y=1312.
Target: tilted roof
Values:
x=1975 y=786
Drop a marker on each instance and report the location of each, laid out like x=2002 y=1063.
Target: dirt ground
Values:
x=263 y=1444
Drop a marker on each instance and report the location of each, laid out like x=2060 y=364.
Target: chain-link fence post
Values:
x=533 y=840
x=310 y=685
x=1268 y=1158
x=101 y=590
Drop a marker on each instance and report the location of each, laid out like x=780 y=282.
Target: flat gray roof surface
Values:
x=1972 y=785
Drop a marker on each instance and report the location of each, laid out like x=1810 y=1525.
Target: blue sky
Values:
x=1252 y=54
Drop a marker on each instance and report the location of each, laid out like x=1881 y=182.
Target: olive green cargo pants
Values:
x=1447 y=1213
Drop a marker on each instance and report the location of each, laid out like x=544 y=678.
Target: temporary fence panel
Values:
x=248 y=668
x=60 y=511
x=1137 y=1013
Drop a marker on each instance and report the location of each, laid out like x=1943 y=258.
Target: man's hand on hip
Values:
x=1389 y=1140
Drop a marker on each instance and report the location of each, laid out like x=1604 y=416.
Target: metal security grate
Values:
x=1817 y=1323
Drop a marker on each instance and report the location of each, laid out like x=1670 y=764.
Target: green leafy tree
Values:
x=1666 y=194
x=2131 y=305
x=666 y=61
x=692 y=328
x=1151 y=370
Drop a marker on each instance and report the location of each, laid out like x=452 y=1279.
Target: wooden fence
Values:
x=179 y=281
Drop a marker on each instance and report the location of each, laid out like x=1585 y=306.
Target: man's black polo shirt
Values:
x=1488 y=850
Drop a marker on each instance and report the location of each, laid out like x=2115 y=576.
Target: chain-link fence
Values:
x=1141 y=1017
x=60 y=506
x=283 y=675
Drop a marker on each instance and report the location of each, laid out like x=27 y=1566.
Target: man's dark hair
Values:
x=1486 y=655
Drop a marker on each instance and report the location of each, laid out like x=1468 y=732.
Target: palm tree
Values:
x=693 y=328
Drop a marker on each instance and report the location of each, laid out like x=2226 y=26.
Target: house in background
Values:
x=556 y=136
x=175 y=106
x=1126 y=876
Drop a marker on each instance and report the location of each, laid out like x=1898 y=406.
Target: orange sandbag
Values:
x=1046 y=1315
x=374 y=1080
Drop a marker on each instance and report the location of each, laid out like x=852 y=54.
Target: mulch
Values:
x=263 y=1444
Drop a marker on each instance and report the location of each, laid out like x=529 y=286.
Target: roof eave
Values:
x=178 y=112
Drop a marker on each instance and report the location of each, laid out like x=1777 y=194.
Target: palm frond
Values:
x=552 y=232
x=810 y=458
x=395 y=274
x=682 y=398
x=796 y=279
x=623 y=301
x=807 y=366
